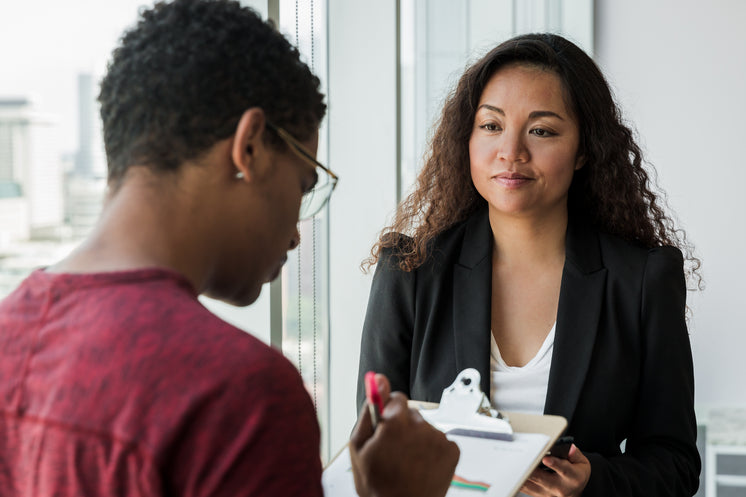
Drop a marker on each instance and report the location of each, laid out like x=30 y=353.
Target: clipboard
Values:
x=499 y=450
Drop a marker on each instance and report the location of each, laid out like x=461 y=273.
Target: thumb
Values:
x=574 y=455
x=384 y=388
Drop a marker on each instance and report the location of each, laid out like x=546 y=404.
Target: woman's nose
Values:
x=511 y=147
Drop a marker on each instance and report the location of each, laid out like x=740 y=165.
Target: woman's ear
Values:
x=248 y=150
x=579 y=162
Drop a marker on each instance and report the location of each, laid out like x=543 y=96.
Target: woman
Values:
x=534 y=250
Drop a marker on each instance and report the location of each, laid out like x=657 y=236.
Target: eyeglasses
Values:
x=316 y=198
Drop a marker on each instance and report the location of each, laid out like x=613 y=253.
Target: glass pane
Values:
x=52 y=166
x=305 y=276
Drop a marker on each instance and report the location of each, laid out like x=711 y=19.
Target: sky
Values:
x=44 y=44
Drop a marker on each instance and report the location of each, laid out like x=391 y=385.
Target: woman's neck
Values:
x=529 y=240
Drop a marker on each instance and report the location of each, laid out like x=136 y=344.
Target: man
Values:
x=114 y=379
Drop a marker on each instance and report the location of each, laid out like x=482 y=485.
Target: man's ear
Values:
x=249 y=150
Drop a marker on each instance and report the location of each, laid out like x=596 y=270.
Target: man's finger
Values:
x=363 y=429
x=395 y=406
x=384 y=387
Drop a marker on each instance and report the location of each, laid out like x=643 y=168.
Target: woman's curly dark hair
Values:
x=181 y=78
x=613 y=188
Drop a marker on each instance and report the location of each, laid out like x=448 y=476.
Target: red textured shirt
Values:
x=123 y=384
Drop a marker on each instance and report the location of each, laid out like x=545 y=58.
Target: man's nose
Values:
x=295 y=241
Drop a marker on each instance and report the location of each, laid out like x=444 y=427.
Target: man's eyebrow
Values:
x=532 y=115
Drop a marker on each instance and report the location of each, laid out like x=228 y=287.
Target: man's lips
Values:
x=277 y=270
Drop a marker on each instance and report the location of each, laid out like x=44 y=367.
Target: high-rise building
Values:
x=13 y=121
x=31 y=175
x=85 y=184
x=89 y=159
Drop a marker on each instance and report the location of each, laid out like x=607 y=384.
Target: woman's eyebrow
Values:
x=532 y=115
x=492 y=108
x=545 y=113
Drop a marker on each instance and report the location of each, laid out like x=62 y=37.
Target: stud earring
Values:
x=239 y=175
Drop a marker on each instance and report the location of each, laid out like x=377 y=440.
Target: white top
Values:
x=521 y=389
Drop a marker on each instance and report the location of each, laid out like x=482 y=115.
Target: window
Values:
x=52 y=166
x=53 y=170
x=305 y=277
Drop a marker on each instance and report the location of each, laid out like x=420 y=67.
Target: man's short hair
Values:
x=184 y=74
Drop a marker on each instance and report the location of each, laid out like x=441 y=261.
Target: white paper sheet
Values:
x=498 y=464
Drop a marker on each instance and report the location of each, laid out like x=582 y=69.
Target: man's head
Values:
x=198 y=105
x=182 y=77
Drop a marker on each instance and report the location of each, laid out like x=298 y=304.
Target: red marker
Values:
x=375 y=402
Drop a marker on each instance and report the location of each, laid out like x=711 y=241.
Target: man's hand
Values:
x=405 y=456
x=568 y=479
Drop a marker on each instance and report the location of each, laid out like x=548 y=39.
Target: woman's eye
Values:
x=541 y=132
x=490 y=127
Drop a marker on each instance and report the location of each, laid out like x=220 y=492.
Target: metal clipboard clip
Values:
x=465 y=410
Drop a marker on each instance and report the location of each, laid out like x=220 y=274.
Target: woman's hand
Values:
x=568 y=479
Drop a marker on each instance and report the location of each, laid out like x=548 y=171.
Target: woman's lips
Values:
x=512 y=180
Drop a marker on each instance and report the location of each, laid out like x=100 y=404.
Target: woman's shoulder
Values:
x=623 y=253
x=633 y=247
x=442 y=248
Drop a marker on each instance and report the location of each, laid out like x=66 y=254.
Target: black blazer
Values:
x=621 y=366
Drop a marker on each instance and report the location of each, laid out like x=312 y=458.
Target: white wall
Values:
x=679 y=71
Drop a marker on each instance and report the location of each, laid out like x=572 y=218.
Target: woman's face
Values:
x=523 y=148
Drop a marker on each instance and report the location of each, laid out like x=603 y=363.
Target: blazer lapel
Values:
x=472 y=299
x=581 y=298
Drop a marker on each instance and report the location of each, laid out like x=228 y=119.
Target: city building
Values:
x=31 y=175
